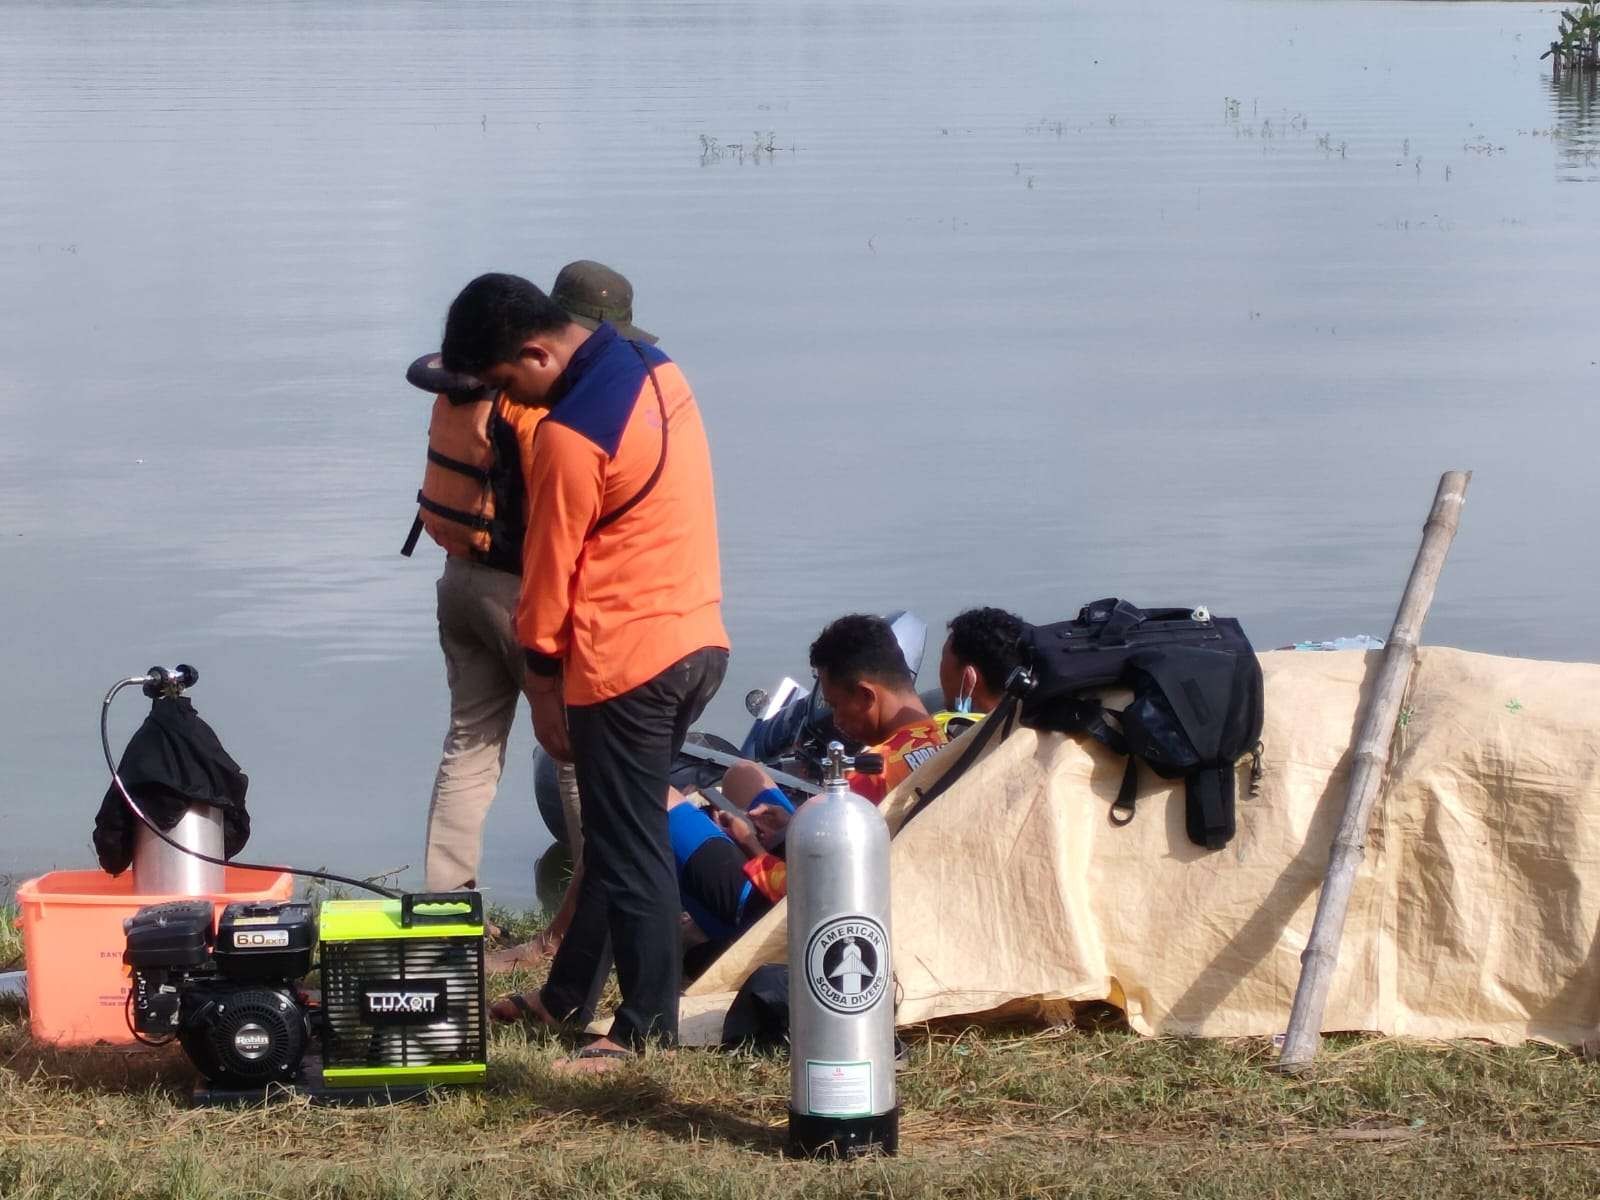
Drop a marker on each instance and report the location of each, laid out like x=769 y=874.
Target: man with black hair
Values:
x=727 y=873
x=477 y=476
x=620 y=618
x=978 y=657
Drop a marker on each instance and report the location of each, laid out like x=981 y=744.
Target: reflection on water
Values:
x=1024 y=303
x=1575 y=99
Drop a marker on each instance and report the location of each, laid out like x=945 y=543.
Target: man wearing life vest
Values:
x=621 y=619
x=473 y=503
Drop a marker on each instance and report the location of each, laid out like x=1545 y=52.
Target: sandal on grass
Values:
x=604 y=1052
x=594 y=1059
x=527 y=1012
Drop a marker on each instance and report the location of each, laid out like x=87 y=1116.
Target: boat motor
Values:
x=841 y=982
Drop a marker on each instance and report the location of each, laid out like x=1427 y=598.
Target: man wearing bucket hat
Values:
x=592 y=292
x=473 y=502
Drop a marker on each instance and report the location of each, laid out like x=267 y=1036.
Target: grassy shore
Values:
x=1059 y=1112
x=10 y=939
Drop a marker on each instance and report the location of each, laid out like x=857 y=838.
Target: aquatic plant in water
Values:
x=1579 y=46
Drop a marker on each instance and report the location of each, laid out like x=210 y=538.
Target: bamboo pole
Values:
x=1367 y=774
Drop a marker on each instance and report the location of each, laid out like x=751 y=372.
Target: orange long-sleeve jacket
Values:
x=619 y=582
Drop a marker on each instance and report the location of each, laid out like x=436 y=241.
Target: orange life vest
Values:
x=456 y=504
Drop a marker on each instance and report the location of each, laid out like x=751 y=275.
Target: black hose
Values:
x=133 y=807
x=127 y=1015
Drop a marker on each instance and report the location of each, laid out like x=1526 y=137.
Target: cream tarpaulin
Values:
x=1476 y=913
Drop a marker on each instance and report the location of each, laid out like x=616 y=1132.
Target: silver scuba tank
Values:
x=163 y=870
x=841 y=982
x=159 y=867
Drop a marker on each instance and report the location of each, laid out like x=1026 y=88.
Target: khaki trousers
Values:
x=484 y=670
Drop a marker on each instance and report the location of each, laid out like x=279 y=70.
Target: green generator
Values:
x=403 y=991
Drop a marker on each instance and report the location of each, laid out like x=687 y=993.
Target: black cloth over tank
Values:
x=174 y=760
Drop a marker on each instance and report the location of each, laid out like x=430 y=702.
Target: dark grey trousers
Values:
x=628 y=902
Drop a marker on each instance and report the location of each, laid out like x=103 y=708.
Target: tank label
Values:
x=838 y=1089
x=847 y=964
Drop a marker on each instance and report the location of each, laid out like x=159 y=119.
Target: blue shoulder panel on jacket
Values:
x=603 y=383
x=654 y=355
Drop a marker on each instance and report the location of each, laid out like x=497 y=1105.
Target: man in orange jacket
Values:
x=479 y=588
x=621 y=618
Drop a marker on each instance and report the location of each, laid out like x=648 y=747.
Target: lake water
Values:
x=1022 y=303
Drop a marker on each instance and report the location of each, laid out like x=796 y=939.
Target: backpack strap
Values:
x=1127 y=794
x=1209 y=809
x=1113 y=739
x=1001 y=716
x=628 y=506
x=1124 y=618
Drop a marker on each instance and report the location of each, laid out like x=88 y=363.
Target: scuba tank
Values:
x=841 y=985
x=169 y=867
x=187 y=860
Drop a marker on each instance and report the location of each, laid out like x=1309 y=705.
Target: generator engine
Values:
x=231 y=996
x=402 y=1004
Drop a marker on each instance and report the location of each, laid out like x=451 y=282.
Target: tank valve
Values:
x=159 y=681
x=838 y=762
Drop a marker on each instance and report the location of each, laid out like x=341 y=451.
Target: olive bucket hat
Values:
x=592 y=292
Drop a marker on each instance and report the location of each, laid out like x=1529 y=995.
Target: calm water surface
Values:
x=1026 y=304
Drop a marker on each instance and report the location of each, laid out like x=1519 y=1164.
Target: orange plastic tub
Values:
x=72 y=942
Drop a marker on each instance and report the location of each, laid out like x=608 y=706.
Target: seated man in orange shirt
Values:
x=872 y=693
x=727 y=875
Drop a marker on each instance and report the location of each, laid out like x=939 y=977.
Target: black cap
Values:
x=592 y=292
x=429 y=374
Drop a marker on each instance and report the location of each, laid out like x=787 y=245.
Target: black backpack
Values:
x=1196 y=709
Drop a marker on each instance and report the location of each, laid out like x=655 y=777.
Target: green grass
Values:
x=10 y=938
x=1003 y=1114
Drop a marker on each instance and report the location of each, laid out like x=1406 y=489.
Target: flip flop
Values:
x=593 y=1059
x=527 y=1014
x=604 y=1052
